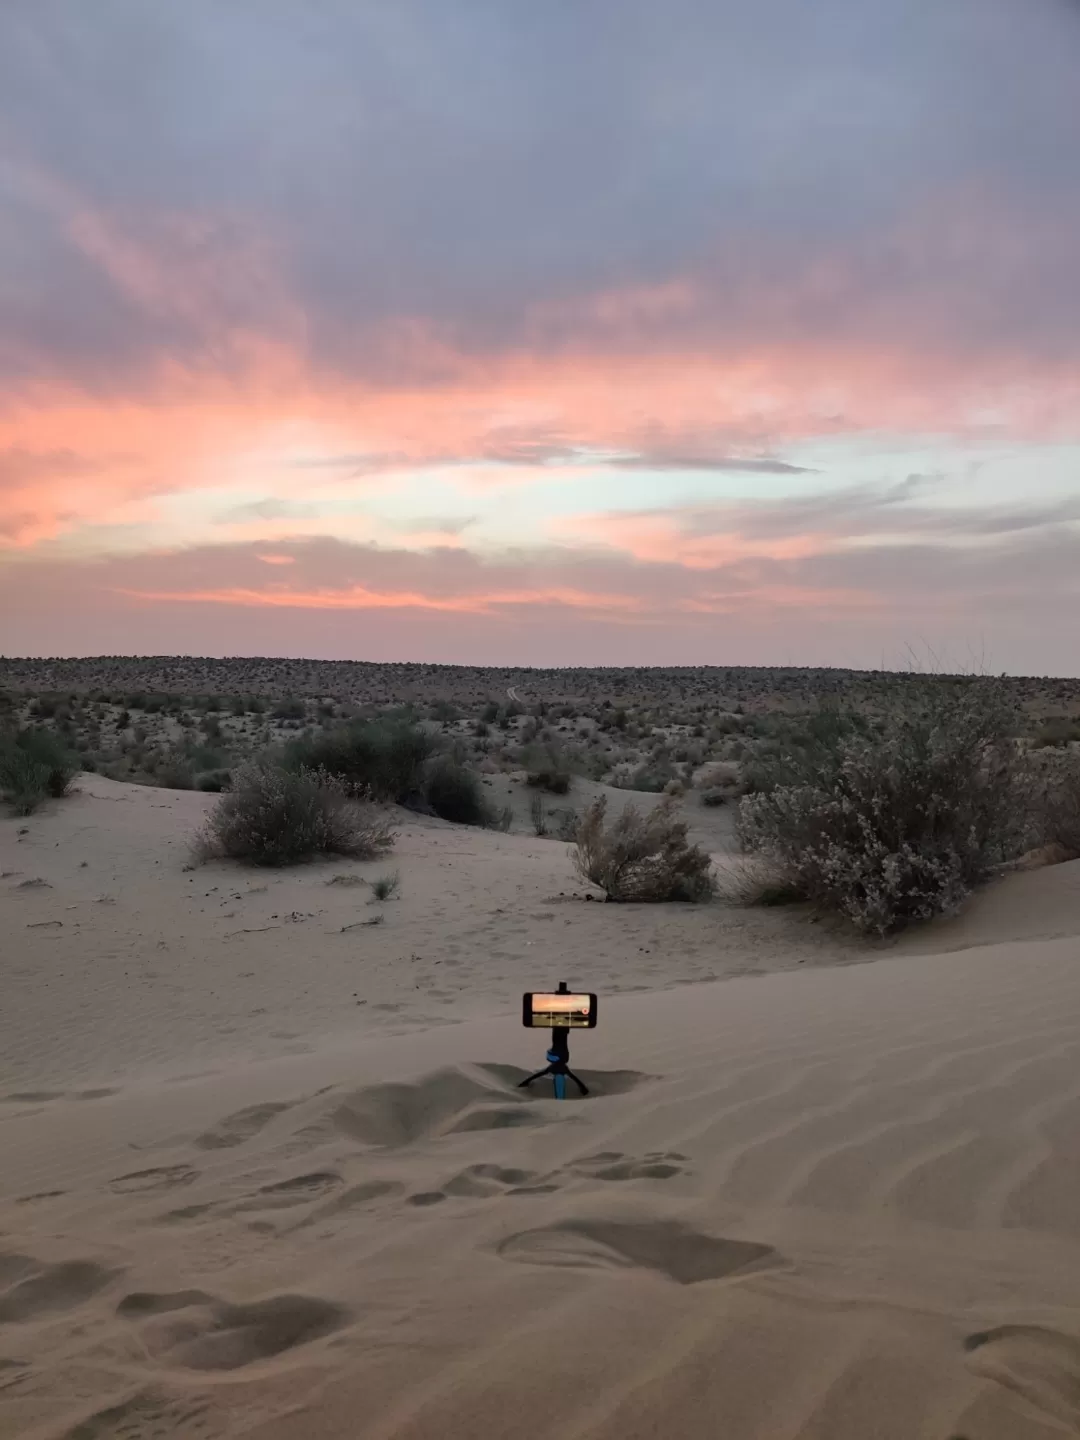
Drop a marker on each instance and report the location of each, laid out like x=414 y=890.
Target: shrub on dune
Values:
x=454 y=793
x=34 y=765
x=641 y=857
x=383 y=758
x=273 y=816
x=895 y=824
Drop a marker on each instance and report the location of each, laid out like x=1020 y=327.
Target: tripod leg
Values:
x=530 y=1078
x=560 y=1087
x=580 y=1084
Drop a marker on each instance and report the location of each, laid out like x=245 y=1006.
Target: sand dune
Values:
x=824 y=1204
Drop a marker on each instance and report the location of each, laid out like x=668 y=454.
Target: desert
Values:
x=268 y=1169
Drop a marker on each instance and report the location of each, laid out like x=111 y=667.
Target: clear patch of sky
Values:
x=523 y=505
x=991 y=472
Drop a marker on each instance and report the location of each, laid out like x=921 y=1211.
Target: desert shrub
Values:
x=714 y=797
x=273 y=816
x=503 y=819
x=641 y=857
x=1056 y=810
x=22 y=781
x=174 y=771
x=385 y=758
x=752 y=880
x=546 y=769
x=790 y=750
x=49 y=751
x=567 y=825
x=897 y=825
x=454 y=793
x=289 y=710
x=538 y=815
x=1058 y=732
x=34 y=764
x=385 y=886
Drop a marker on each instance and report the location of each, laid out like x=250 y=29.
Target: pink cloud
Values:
x=359 y=597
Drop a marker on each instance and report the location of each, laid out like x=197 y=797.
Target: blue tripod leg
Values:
x=560 y=1087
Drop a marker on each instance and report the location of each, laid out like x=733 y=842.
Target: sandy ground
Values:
x=237 y=1198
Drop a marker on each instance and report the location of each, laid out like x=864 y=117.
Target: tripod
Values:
x=558 y=1066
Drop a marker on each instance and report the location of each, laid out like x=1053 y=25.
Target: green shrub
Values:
x=896 y=826
x=273 y=816
x=454 y=793
x=23 y=782
x=384 y=758
x=34 y=765
x=641 y=857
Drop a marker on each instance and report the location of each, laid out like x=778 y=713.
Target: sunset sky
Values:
x=542 y=331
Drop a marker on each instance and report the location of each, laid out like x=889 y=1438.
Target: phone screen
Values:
x=549 y=1010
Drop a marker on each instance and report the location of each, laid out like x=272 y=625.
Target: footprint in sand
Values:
x=614 y=1165
x=684 y=1255
x=161 y=1177
x=30 y=1288
x=483 y=1182
x=149 y=1415
x=286 y=1194
x=487 y=1181
x=1041 y=1364
x=195 y=1331
x=240 y=1126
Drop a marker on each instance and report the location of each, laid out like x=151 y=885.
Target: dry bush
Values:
x=897 y=824
x=538 y=815
x=719 y=775
x=753 y=880
x=273 y=816
x=641 y=857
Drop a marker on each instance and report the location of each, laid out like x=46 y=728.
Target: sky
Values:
x=589 y=332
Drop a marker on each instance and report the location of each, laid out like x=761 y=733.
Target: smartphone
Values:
x=548 y=1010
